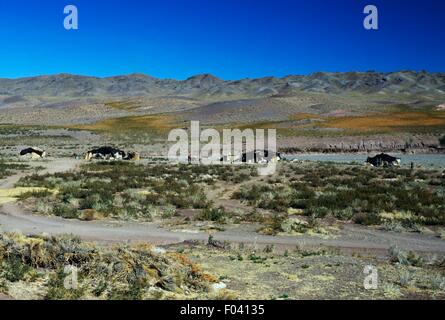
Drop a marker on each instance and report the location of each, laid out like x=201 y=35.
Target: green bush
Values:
x=214 y=214
x=409 y=258
x=13 y=269
x=35 y=194
x=367 y=219
x=65 y=211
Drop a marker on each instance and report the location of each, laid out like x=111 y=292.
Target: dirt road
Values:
x=350 y=238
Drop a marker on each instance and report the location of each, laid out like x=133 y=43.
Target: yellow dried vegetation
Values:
x=389 y=121
x=148 y=123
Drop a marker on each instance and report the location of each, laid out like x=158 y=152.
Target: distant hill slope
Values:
x=206 y=85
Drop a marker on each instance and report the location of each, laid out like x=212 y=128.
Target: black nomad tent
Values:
x=383 y=160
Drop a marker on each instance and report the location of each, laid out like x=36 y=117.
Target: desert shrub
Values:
x=437 y=282
x=276 y=223
x=114 y=188
x=367 y=219
x=319 y=212
x=394 y=226
x=409 y=258
x=118 y=272
x=35 y=194
x=256 y=258
x=6 y=168
x=43 y=207
x=241 y=177
x=251 y=193
x=214 y=214
x=254 y=216
x=13 y=269
x=168 y=211
x=354 y=193
x=57 y=290
x=65 y=211
x=405 y=278
x=344 y=214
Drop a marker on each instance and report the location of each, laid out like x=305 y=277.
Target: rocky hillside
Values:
x=206 y=85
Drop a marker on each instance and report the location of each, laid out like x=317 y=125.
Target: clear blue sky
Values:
x=229 y=38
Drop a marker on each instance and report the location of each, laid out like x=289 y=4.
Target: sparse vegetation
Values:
x=366 y=196
x=120 y=190
x=293 y=201
x=6 y=168
x=121 y=272
x=156 y=124
x=214 y=214
x=129 y=191
x=389 y=122
x=396 y=198
x=314 y=273
x=323 y=112
x=409 y=258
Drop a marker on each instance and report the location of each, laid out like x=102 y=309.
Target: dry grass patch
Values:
x=388 y=121
x=373 y=123
x=124 y=105
x=304 y=116
x=153 y=123
x=136 y=271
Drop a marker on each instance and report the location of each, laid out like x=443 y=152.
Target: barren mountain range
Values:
x=67 y=85
x=323 y=110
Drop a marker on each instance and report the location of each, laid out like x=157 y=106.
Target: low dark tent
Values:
x=111 y=153
x=383 y=159
x=105 y=153
x=32 y=151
